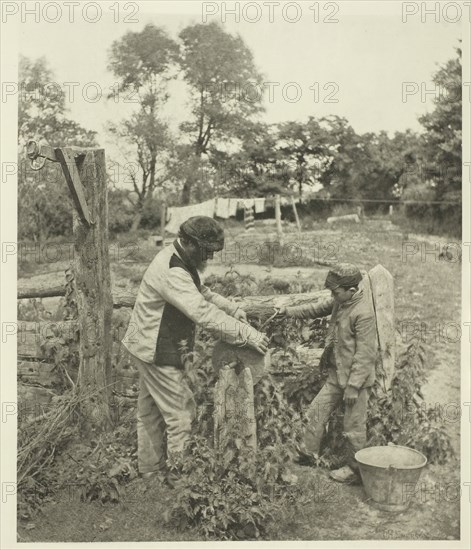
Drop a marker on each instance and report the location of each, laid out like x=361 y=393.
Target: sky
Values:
x=371 y=62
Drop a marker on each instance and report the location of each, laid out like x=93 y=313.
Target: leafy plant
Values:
x=230 y=495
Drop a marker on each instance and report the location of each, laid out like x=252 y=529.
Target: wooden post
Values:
x=391 y=208
x=234 y=408
x=163 y=215
x=91 y=269
x=279 y=230
x=295 y=210
x=382 y=291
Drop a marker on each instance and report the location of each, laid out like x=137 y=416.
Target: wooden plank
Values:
x=127 y=299
x=40 y=290
x=348 y=218
x=67 y=159
x=382 y=285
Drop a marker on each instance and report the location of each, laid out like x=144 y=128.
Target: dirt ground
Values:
x=428 y=295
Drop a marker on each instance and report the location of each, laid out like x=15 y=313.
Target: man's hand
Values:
x=259 y=344
x=350 y=396
x=240 y=315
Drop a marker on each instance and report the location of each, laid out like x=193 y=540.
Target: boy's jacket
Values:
x=352 y=335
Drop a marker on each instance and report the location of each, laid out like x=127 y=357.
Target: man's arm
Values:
x=365 y=353
x=226 y=305
x=311 y=311
x=180 y=291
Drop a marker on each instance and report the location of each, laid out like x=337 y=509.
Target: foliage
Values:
x=221 y=74
x=42 y=108
x=120 y=211
x=144 y=63
x=99 y=472
x=401 y=416
x=435 y=172
x=39 y=439
x=366 y=166
x=44 y=205
x=231 y=495
x=443 y=131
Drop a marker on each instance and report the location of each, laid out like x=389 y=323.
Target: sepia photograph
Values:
x=239 y=234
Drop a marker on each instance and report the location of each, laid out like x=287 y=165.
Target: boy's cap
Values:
x=345 y=275
x=205 y=231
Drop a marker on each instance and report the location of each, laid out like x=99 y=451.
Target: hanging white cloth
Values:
x=233 y=204
x=179 y=214
x=259 y=205
x=222 y=208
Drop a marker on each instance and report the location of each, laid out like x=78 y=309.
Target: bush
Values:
x=432 y=218
x=151 y=214
x=120 y=211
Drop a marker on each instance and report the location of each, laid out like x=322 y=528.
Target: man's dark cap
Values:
x=205 y=231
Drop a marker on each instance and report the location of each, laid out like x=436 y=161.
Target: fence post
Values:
x=279 y=230
x=91 y=268
x=295 y=210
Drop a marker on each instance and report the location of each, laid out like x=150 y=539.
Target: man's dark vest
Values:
x=176 y=327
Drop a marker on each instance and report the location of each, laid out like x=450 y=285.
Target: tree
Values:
x=256 y=169
x=44 y=205
x=144 y=62
x=367 y=166
x=304 y=150
x=225 y=89
x=443 y=131
x=342 y=175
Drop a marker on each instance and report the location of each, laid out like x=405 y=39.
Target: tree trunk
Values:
x=136 y=221
x=186 y=191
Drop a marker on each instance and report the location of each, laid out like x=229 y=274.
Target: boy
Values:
x=351 y=347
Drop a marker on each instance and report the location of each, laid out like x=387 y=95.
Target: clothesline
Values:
x=220 y=207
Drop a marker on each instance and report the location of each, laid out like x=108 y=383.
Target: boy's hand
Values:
x=350 y=396
x=280 y=311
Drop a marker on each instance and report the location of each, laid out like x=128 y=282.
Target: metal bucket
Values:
x=390 y=475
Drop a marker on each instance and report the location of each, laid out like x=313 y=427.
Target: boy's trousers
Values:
x=354 y=423
x=165 y=411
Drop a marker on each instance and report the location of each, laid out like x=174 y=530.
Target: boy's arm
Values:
x=365 y=354
x=311 y=311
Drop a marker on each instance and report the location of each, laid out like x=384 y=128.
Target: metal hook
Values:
x=34 y=163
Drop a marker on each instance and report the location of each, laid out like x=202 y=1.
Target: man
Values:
x=170 y=301
x=351 y=356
